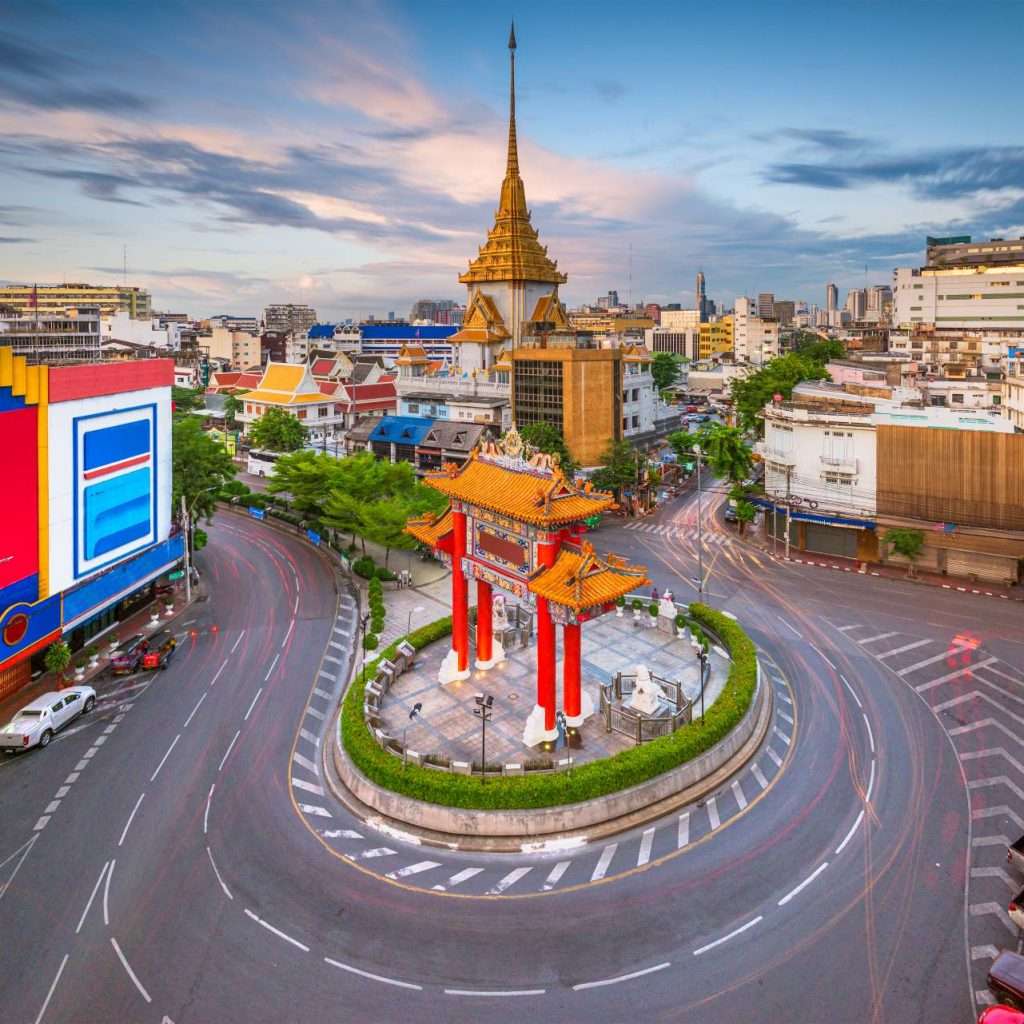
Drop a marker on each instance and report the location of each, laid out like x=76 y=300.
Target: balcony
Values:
x=453 y=386
x=779 y=458
x=846 y=465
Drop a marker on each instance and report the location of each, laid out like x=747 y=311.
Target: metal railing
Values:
x=620 y=718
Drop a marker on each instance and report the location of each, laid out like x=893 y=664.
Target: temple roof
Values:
x=531 y=493
x=579 y=579
x=430 y=529
x=512 y=251
x=483 y=322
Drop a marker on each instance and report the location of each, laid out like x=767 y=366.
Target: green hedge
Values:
x=593 y=779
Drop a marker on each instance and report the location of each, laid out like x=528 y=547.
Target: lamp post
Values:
x=702 y=657
x=408 y=620
x=414 y=713
x=484 y=703
x=186 y=525
x=700 y=529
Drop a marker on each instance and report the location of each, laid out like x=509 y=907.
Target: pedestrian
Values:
x=654 y=593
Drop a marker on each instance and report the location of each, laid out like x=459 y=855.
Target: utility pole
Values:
x=789 y=509
x=700 y=530
x=188 y=562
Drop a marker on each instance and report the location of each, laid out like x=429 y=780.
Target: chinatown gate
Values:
x=516 y=523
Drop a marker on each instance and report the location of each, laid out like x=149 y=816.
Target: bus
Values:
x=262 y=462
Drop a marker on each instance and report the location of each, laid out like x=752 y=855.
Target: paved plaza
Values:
x=446 y=724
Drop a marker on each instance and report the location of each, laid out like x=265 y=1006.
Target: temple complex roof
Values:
x=430 y=529
x=482 y=322
x=579 y=579
x=512 y=251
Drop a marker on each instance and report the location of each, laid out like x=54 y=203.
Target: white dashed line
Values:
x=604 y=862
x=227 y=892
x=803 y=885
x=871 y=783
x=782 y=736
x=414 y=869
x=823 y=658
x=221 y=669
x=237 y=642
x=759 y=775
x=683 y=831
x=373 y=977
x=228 y=751
x=291 y=626
x=106 y=894
x=775 y=757
x=731 y=935
x=554 y=875
x=52 y=806
x=620 y=978
x=194 y=710
x=505 y=992
x=850 y=834
x=713 y=814
x=644 y=854
x=92 y=896
x=853 y=693
x=53 y=987
x=206 y=813
x=871 y=735
x=788 y=626
x=737 y=792
x=41 y=823
x=253 y=704
x=164 y=758
x=273 y=665
x=276 y=931
x=131 y=818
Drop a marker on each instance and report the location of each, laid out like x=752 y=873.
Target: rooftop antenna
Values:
x=629 y=290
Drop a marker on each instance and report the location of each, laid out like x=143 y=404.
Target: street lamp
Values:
x=408 y=621
x=414 y=713
x=700 y=529
x=484 y=703
x=186 y=525
x=702 y=657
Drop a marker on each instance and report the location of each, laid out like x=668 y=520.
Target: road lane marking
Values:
x=984 y=952
x=554 y=875
x=221 y=669
x=316 y=714
x=92 y=896
x=414 y=869
x=850 y=834
x=683 y=833
x=53 y=986
x=273 y=664
x=227 y=892
x=321 y=693
x=950 y=676
x=291 y=626
x=509 y=880
x=106 y=894
x=620 y=978
x=604 y=862
x=41 y=823
x=253 y=704
x=713 y=814
x=319 y=812
x=379 y=851
x=307 y=735
x=228 y=751
x=803 y=885
x=131 y=818
x=238 y=641
x=644 y=854
x=785 y=717
x=903 y=649
x=951 y=653
x=880 y=636
x=194 y=710
x=341 y=833
x=782 y=736
x=164 y=758
x=775 y=757
x=206 y=813
x=782 y=696
x=871 y=782
x=276 y=931
x=737 y=792
x=789 y=627
x=871 y=735
x=52 y=806
x=823 y=658
x=71 y=779
x=504 y=992
x=309 y=787
x=305 y=762
x=731 y=935
x=458 y=879
x=373 y=977
x=759 y=775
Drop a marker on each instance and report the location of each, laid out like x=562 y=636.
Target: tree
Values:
x=618 y=467
x=681 y=442
x=384 y=521
x=664 y=370
x=186 y=399
x=308 y=477
x=907 y=543
x=200 y=468
x=57 y=657
x=815 y=347
x=278 y=432
x=547 y=438
x=725 y=451
x=745 y=513
x=232 y=407
x=751 y=394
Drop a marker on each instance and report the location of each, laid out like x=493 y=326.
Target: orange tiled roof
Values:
x=532 y=495
x=430 y=529
x=580 y=580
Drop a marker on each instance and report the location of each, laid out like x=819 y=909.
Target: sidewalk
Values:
x=139 y=622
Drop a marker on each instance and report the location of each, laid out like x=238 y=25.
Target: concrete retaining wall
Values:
x=624 y=809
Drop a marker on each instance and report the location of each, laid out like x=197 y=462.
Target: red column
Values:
x=460 y=593
x=546 y=555
x=571 y=674
x=484 y=621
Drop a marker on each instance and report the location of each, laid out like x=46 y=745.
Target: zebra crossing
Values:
x=978 y=699
x=403 y=861
x=711 y=537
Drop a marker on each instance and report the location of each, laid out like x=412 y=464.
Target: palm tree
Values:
x=726 y=451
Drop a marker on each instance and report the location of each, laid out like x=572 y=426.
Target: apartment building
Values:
x=68 y=336
x=756 y=338
x=54 y=299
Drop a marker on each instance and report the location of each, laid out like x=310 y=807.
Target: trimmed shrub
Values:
x=680 y=621
x=620 y=602
x=594 y=779
x=637 y=604
x=364 y=567
x=653 y=609
x=369 y=642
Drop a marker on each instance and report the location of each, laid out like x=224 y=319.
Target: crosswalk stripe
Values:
x=775 y=757
x=309 y=787
x=785 y=717
x=509 y=880
x=713 y=814
x=880 y=636
x=645 y=847
x=320 y=812
x=378 y=851
x=759 y=775
x=603 y=864
x=929 y=661
x=903 y=649
x=683 y=835
x=950 y=676
x=458 y=878
x=782 y=736
x=737 y=791
x=321 y=693
x=783 y=696
x=316 y=714
x=555 y=874
x=305 y=762
x=414 y=869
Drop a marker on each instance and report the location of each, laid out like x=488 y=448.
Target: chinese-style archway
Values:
x=515 y=523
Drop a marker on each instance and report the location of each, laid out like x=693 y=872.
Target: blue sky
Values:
x=349 y=154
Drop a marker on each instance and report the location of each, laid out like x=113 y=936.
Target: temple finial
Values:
x=512 y=37
x=512 y=164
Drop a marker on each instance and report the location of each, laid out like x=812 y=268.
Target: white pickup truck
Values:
x=1015 y=857
x=35 y=724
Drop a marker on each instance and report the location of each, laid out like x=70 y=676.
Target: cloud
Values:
x=46 y=79
x=6 y=240
x=95 y=184
x=826 y=138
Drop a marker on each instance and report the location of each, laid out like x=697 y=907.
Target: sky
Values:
x=349 y=154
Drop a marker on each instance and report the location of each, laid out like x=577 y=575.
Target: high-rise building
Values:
x=609 y=301
x=831 y=297
x=765 y=305
x=857 y=303
x=70 y=336
x=701 y=298
x=56 y=298
x=755 y=338
x=289 y=317
x=784 y=310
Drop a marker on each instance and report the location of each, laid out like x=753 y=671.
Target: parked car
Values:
x=1016 y=909
x=1001 y=1014
x=128 y=657
x=1015 y=854
x=35 y=724
x=161 y=650
x=1006 y=979
x=730 y=514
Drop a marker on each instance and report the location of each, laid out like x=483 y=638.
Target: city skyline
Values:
x=350 y=162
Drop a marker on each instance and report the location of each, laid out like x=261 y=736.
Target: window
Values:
x=302 y=414
x=414 y=407
x=70 y=699
x=636 y=421
x=625 y=423
x=957 y=399
x=323 y=410
x=537 y=392
x=57 y=706
x=636 y=394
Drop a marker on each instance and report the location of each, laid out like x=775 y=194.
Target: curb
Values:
x=342 y=776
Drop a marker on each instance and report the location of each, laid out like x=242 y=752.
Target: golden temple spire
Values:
x=512 y=251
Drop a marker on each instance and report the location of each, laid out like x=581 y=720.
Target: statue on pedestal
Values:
x=647 y=694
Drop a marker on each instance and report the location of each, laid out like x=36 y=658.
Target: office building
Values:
x=54 y=299
x=831 y=297
x=289 y=317
x=856 y=303
x=784 y=310
x=765 y=305
x=716 y=338
x=755 y=338
x=68 y=336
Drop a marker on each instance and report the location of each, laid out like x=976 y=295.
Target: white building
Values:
x=680 y=341
x=973 y=298
x=680 y=319
x=120 y=326
x=1013 y=390
x=755 y=338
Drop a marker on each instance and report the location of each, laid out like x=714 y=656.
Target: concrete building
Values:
x=70 y=335
x=784 y=310
x=289 y=317
x=86 y=468
x=831 y=297
x=680 y=319
x=155 y=332
x=294 y=390
x=716 y=338
x=386 y=341
x=232 y=323
x=953 y=352
x=245 y=350
x=961 y=251
x=765 y=305
x=756 y=339
x=53 y=299
x=857 y=304
x=1013 y=390
x=680 y=341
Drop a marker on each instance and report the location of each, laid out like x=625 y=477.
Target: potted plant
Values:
x=169 y=607
x=57 y=658
x=637 y=608
x=93 y=653
x=620 y=604
x=680 y=621
x=114 y=641
x=652 y=609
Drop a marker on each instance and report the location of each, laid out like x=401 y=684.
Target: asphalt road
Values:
x=194 y=870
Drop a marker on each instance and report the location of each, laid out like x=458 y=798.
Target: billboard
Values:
x=19 y=473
